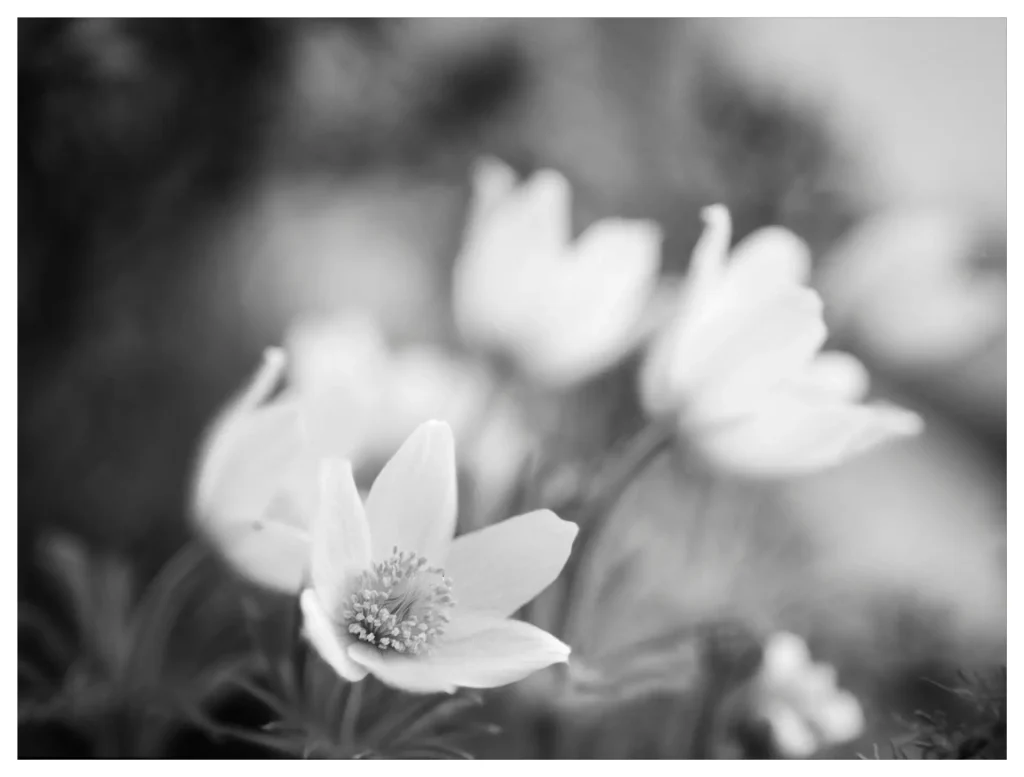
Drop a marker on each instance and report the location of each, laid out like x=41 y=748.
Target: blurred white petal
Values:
x=739 y=370
x=801 y=699
x=838 y=375
x=841 y=718
x=792 y=435
x=254 y=485
x=902 y=284
x=770 y=256
x=793 y=737
x=562 y=310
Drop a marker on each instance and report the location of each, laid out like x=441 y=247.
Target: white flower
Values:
x=738 y=365
x=901 y=283
x=395 y=390
x=255 y=482
x=562 y=310
x=393 y=595
x=800 y=700
x=390 y=391
x=349 y=396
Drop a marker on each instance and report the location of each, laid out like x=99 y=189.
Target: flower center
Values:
x=400 y=604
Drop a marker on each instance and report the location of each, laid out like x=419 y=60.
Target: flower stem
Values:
x=596 y=513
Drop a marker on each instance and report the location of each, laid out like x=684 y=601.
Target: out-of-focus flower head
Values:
x=800 y=701
x=391 y=594
x=738 y=365
x=349 y=395
x=902 y=284
x=393 y=390
x=562 y=310
x=253 y=483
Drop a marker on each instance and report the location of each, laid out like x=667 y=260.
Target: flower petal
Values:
x=341 y=535
x=500 y=568
x=790 y=435
x=497 y=653
x=838 y=375
x=336 y=351
x=594 y=302
x=252 y=504
x=325 y=638
x=493 y=182
x=840 y=718
x=768 y=257
x=793 y=736
x=273 y=554
x=425 y=383
x=227 y=441
x=727 y=366
x=412 y=503
x=707 y=263
x=507 y=256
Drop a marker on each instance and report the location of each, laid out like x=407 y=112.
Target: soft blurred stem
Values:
x=595 y=515
x=475 y=434
x=350 y=717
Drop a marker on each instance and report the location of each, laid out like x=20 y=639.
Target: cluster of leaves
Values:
x=979 y=734
x=120 y=663
x=315 y=714
x=126 y=667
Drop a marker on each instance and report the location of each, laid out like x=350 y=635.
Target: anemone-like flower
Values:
x=800 y=701
x=393 y=595
x=348 y=395
x=562 y=310
x=738 y=364
x=255 y=482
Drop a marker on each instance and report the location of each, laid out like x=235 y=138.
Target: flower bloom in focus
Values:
x=561 y=310
x=799 y=700
x=738 y=364
x=393 y=595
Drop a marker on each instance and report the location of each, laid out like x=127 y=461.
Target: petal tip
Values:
x=715 y=216
x=274 y=357
x=334 y=472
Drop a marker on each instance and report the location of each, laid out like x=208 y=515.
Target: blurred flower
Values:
x=349 y=395
x=901 y=283
x=393 y=391
x=738 y=364
x=391 y=594
x=800 y=701
x=253 y=482
x=562 y=310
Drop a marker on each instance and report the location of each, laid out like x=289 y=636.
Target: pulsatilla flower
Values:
x=799 y=700
x=393 y=595
x=348 y=395
x=561 y=310
x=255 y=481
x=738 y=364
